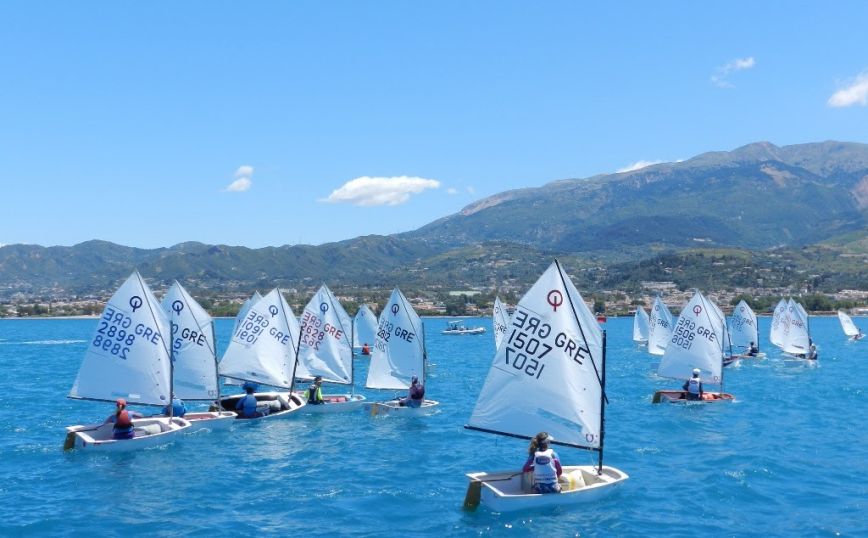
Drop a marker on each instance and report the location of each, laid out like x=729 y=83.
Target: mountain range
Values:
x=760 y=198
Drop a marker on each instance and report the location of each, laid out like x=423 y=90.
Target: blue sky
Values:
x=245 y=123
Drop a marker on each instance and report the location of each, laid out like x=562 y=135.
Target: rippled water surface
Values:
x=790 y=457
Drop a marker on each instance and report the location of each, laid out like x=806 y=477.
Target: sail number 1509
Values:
x=522 y=363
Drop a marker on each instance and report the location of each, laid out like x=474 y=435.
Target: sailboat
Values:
x=780 y=325
x=194 y=356
x=364 y=329
x=242 y=314
x=499 y=320
x=263 y=351
x=326 y=351
x=850 y=328
x=127 y=358
x=798 y=348
x=641 y=324
x=659 y=327
x=698 y=342
x=398 y=355
x=548 y=375
x=743 y=332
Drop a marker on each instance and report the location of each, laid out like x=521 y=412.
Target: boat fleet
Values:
x=548 y=372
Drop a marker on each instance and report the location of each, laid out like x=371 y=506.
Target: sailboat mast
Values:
x=297 y=351
x=216 y=373
x=602 y=407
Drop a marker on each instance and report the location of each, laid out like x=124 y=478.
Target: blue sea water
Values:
x=789 y=458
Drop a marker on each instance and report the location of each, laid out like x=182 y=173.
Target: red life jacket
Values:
x=122 y=420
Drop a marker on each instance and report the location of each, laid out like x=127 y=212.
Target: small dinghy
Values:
x=659 y=327
x=364 y=331
x=194 y=357
x=263 y=350
x=269 y=405
x=850 y=329
x=641 y=323
x=580 y=484
x=128 y=357
x=326 y=353
x=398 y=356
x=695 y=353
x=499 y=321
x=549 y=374
x=743 y=334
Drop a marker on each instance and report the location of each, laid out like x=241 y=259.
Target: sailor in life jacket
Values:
x=123 y=420
x=415 y=396
x=246 y=405
x=752 y=350
x=693 y=386
x=544 y=463
x=366 y=350
x=314 y=392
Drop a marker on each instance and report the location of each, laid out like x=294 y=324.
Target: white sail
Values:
x=325 y=348
x=743 y=327
x=798 y=339
x=697 y=342
x=364 y=327
x=399 y=349
x=659 y=327
x=847 y=324
x=127 y=357
x=499 y=321
x=193 y=351
x=545 y=376
x=245 y=308
x=780 y=324
x=726 y=339
x=641 y=323
x=263 y=347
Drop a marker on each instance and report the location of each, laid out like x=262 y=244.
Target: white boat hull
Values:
x=505 y=492
x=149 y=432
x=281 y=405
x=336 y=403
x=212 y=420
x=798 y=362
x=392 y=406
x=475 y=330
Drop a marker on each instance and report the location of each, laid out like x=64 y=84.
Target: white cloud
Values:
x=240 y=185
x=637 y=165
x=451 y=190
x=242 y=179
x=855 y=93
x=374 y=191
x=739 y=64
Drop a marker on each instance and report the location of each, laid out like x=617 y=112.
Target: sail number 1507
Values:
x=523 y=363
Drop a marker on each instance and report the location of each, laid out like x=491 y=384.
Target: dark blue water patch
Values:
x=787 y=458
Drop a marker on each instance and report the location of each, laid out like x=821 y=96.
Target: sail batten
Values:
x=545 y=376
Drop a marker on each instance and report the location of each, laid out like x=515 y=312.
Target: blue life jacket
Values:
x=247 y=406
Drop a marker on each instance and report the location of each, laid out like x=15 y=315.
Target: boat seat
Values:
x=148 y=429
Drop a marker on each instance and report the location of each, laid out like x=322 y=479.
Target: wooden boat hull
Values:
x=680 y=396
x=149 y=432
x=212 y=420
x=280 y=404
x=509 y=491
x=336 y=403
x=393 y=407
